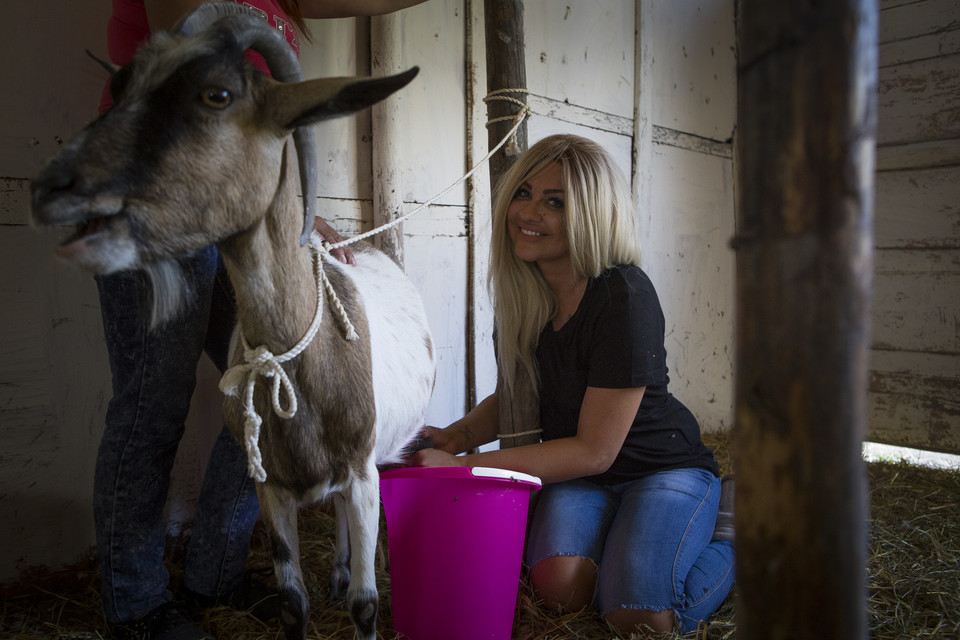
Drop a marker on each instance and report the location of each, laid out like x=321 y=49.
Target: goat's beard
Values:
x=169 y=291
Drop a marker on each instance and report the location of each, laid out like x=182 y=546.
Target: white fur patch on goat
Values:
x=397 y=338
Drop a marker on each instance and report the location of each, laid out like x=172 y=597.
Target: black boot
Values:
x=253 y=595
x=166 y=622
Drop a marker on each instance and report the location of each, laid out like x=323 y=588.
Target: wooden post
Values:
x=519 y=411
x=505 y=70
x=805 y=146
x=385 y=59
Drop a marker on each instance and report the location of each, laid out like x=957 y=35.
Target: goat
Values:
x=196 y=150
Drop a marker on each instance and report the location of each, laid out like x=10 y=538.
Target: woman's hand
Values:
x=449 y=440
x=434 y=458
x=343 y=254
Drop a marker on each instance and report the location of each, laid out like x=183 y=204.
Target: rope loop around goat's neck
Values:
x=260 y=361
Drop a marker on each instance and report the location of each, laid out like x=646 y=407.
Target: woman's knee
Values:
x=564 y=583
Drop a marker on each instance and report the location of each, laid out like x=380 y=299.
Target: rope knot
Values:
x=258 y=357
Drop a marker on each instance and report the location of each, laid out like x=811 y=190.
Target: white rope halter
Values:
x=261 y=362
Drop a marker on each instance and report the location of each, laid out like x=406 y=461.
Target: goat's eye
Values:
x=216 y=98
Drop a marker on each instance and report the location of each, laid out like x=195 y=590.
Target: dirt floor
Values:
x=913 y=579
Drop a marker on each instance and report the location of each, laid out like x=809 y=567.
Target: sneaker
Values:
x=166 y=622
x=724 y=527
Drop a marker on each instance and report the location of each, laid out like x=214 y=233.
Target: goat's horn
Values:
x=109 y=66
x=205 y=15
x=253 y=33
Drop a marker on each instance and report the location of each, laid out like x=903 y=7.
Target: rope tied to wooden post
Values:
x=513 y=148
x=510 y=136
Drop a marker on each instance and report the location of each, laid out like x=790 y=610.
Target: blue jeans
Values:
x=650 y=538
x=153 y=379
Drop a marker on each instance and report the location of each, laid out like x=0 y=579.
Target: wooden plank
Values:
x=581 y=116
x=694 y=48
x=344 y=158
x=913 y=400
x=920 y=421
x=919 y=101
x=918 y=155
x=542 y=106
x=918 y=19
x=387 y=122
x=481 y=362
x=685 y=237
x=54 y=385
x=690 y=142
x=582 y=53
x=14 y=201
x=919 y=48
x=918 y=208
x=54 y=88
x=433 y=140
x=437 y=267
x=806 y=133
x=916 y=308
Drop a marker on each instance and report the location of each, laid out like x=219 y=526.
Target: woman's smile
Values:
x=536 y=218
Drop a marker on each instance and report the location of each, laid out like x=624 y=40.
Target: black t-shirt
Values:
x=615 y=340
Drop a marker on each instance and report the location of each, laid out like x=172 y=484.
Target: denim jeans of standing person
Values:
x=651 y=539
x=154 y=373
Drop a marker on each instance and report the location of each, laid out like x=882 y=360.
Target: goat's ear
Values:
x=294 y=105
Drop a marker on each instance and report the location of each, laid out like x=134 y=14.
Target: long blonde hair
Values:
x=601 y=231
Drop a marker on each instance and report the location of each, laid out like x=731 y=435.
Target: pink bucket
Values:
x=455 y=536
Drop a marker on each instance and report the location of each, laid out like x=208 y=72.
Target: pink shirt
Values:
x=129 y=28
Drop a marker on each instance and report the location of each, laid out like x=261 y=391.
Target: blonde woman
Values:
x=628 y=518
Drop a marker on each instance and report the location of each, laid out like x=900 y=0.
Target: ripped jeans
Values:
x=153 y=378
x=650 y=538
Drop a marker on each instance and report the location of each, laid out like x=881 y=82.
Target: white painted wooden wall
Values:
x=587 y=76
x=915 y=377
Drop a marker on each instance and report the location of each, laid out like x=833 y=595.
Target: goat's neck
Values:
x=272 y=275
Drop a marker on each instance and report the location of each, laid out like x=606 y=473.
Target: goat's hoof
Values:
x=363 y=612
x=293 y=614
x=339 y=581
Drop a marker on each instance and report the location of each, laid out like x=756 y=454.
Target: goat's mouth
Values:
x=85 y=233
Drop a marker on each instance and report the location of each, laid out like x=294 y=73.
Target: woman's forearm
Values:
x=479 y=426
x=352 y=8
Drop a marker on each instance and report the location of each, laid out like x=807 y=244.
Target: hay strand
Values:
x=913 y=578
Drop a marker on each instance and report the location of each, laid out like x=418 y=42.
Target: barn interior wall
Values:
x=915 y=360
x=582 y=75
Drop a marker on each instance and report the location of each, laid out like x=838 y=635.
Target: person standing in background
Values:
x=154 y=373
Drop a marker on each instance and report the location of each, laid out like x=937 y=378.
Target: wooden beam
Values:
x=386 y=49
x=805 y=147
x=503 y=34
x=505 y=70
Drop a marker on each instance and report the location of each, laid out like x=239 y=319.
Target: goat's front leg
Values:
x=340 y=574
x=279 y=511
x=363 y=520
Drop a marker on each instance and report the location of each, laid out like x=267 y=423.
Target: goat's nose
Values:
x=49 y=183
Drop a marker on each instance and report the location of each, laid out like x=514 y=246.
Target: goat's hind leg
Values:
x=363 y=518
x=340 y=572
x=279 y=511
